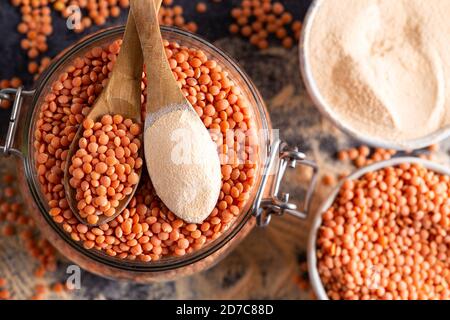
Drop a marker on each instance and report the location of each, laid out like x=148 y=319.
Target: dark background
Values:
x=213 y=25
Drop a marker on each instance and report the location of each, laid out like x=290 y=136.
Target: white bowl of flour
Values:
x=380 y=69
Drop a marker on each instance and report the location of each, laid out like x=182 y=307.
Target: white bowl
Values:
x=314 y=276
x=327 y=110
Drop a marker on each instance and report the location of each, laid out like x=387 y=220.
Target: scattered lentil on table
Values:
x=254 y=19
x=174 y=16
x=201 y=7
x=13 y=83
x=37 y=23
x=16 y=222
x=258 y=19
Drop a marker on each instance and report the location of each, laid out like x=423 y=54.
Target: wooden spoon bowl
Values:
x=122 y=95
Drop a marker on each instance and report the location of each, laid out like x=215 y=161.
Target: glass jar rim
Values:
x=168 y=263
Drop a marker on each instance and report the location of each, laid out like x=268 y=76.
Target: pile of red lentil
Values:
x=386 y=236
x=146 y=230
x=97 y=11
x=253 y=19
x=258 y=19
x=37 y=24
x=14 y=221
x=173 y=15
x=104 y=170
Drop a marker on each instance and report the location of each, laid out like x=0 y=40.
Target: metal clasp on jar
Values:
x=15 y=95
x=278 y=203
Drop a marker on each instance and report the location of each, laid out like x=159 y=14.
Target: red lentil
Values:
x=201 y=7
x=36 y=25
x=4 y=294
x=363 y=155
x=98 y=11
x=12 y=83
x=58 y=287
x=170 y=15
x=104 y=168
x=386 y=237
x=162 y=234
x=12 y=212
x=257 y=19
x=328 y=180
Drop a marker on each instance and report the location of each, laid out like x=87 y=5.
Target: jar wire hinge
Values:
x=16 y=96
x=281 y=157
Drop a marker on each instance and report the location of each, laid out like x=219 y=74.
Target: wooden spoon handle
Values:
x=162 y=88
x=130 y=60
x=124 y=89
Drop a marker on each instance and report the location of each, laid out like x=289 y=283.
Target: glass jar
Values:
x=264 y=201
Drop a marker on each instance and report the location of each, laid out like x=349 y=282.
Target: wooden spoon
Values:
x=189 y=190
x=163 y=90
x=122 y=95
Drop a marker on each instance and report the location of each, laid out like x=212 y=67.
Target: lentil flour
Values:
x=382 y=65
x=184 y=165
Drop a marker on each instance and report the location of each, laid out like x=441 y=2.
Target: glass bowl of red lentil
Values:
x=147 y=242
x=349 y=259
